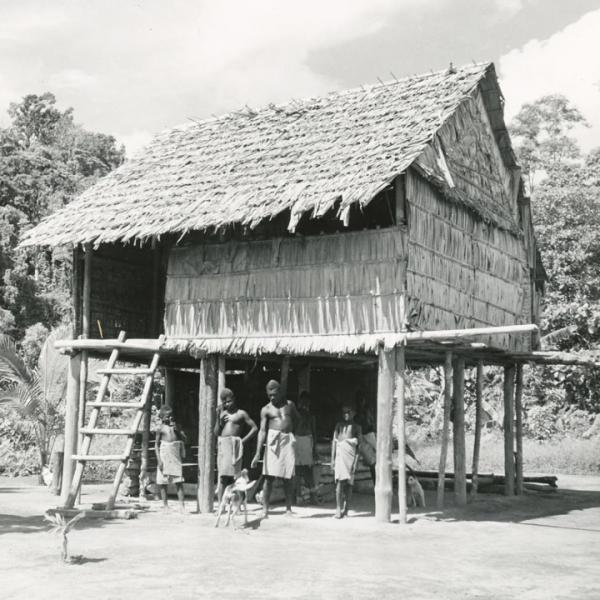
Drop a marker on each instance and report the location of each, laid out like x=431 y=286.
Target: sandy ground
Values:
x=537 y=546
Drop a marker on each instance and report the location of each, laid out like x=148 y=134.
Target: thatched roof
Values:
x=250 y=165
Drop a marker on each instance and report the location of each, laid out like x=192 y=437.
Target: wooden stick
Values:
x=478 y=424
x=463 y=333
x=445 y=429
x=383 y=466
x=285 y=371
x=71 y=424
x=460 y=459
x=135 y=345
x=519 y=429
x=400 y=392
x=509 y=458
x=207 y=403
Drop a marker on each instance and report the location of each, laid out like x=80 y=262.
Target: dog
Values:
x=234 y=498
x=415 y=492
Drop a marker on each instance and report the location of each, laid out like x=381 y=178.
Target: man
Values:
x=278 y=421
x=306 y=445
x=170 y=451
x=230 y=445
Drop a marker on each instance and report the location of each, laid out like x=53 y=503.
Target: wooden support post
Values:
x=170 y=388
x=478 y=424
x=220 y=377
x=445 y=429
x=509 y=444
x=304 y=379
x=207 y=404
x=400 y=391
x=519 y=429
x=76 y=287
x=71 y=424
x=143 y=478
x=383 y=467
x=285 y=371
x=85 y=331
x=460 y=459
x=154 y=320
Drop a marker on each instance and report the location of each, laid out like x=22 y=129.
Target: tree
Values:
x=541 y=132
x=36 y=394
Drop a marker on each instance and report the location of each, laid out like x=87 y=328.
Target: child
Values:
x=170 y=452
x=344 y=456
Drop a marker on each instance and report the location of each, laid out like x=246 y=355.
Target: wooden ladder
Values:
x=91 y=430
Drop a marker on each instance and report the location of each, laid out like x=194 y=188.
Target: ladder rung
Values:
x=104 y=457
x=107 y=431
x=138 y=371
x=137 y=405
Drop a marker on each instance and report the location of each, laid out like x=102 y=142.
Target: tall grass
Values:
x=566 y=455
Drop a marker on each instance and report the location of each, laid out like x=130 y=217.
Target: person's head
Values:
x=273 y=389
x=166 y=415
x=304 y=401
x=348 y=411
x=227 y=399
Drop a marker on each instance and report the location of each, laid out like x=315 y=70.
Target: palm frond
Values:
x=51 y=372
x=12 y=366
x=553 y=338
x=24 y=398
x=72 y=522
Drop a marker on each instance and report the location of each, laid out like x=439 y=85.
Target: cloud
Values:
x=567 y=63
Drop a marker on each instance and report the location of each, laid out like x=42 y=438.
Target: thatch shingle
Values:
x=248 y=166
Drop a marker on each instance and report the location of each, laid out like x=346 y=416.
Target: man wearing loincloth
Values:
x=230 y=445
x=170 y=452
x=278 y=420
x=347 y=437
x=306 y=445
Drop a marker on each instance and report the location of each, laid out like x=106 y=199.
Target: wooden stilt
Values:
x=509 y=459
x=143 y=479
x=220 y=377
x=478 y=425
x=519 y=429
x=304 y=379
x=460 y=459
x=383 y=467
x=285 y=371
x=207 y=404
x=445 y=429
x=400 y=391
x=71 y=425
x=85 y=332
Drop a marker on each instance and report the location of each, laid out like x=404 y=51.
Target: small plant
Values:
x=62 y=528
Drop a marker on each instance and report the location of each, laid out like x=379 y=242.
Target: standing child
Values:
x=170 y=452
x=344 y=456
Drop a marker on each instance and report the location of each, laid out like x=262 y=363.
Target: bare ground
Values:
x=542 y=545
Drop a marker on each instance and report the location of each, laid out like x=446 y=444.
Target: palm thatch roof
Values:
x=249 y=165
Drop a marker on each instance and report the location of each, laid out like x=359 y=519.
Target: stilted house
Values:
x=331 y=242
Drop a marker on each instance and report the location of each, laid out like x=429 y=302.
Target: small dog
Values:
x=234 y=498
x=415 y=492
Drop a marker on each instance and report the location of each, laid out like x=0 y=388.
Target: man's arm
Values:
x=262 y=436
x=218 y=423
x=251 y=424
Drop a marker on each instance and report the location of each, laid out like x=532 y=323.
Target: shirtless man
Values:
x=278 y=421
x=231 y=422
x=170 y=451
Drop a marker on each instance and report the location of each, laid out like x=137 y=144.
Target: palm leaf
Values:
x=51 y=372
x=553 y=338
x=24 y=398
x=72 y=522
x=12 y=366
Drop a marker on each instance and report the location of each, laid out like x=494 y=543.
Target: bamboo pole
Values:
x=509 y=459
x=71 y=425
x=400 y=393
x=221 y=365
x=285 y=371
x=519 y=429
x=85 y=331
x=76 y=287
x=445 y=429
x=383 y=467
x=207 y=403
x=460 y=459
x=478 y=424
x=463 y=333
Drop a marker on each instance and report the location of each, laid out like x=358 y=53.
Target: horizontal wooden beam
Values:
x=134 y=345
x=449 y=334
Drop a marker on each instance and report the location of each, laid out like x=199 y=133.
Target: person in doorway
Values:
x=231 y=422
x=306 y=446
x=170 y=452
x=366 y=419
x=278 y=420
x=344 y=457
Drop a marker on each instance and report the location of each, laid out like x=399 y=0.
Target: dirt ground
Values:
x=542 y=545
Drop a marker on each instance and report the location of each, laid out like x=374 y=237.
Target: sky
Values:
x=133 y=68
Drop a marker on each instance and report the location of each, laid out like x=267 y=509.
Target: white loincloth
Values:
x=170 y=455
x=280 y=456
x=229 y=456
x=345 y=459
x=304 y=451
